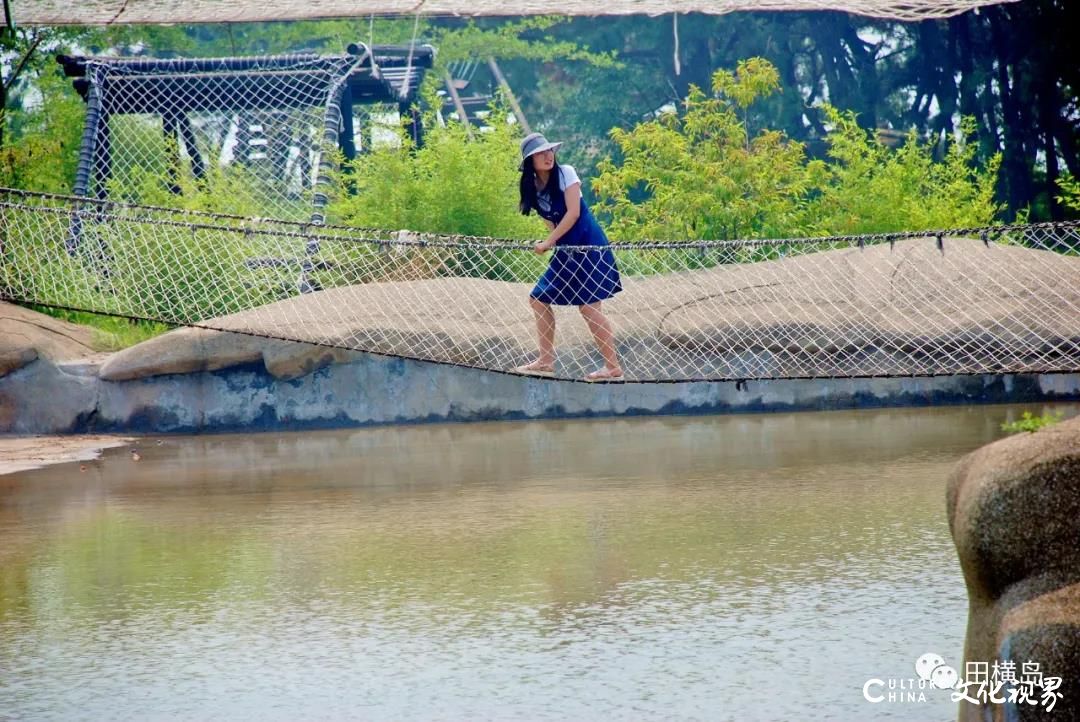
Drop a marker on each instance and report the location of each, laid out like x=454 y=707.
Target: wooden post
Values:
x=509 y=95
x=457 y=103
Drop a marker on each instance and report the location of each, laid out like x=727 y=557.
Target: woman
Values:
x=582 y=278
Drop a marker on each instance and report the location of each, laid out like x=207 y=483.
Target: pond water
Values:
x=715 y=568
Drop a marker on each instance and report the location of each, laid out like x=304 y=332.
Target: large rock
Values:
x=14 y=357
x=194 y=350
x=285 y=360
x=183 y=351
x=1014 y=511
x=905 y=309
x=25 y=335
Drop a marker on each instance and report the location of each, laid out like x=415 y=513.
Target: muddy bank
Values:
x=19 y=453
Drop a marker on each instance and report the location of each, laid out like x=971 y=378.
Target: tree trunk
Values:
x=1017 y=178
x=1048 y=110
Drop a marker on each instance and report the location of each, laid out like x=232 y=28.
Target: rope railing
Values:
x=1000 y=299
x=214 y=219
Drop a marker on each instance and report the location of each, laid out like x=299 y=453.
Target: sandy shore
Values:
x=19 y=453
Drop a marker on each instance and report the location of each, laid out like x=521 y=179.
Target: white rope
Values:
x=412 y=44
x=675 y=32
x=106 y=12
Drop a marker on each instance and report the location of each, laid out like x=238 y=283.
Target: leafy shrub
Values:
x=702 y=174
x=449 y=185
x=41 y=148
x=699 y=174
x=1070 y=192
x=870 y=188
x=1030 y=423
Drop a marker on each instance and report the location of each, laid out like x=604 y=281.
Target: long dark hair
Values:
x=527 y=187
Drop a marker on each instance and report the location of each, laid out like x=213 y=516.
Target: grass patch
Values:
x=111 y=333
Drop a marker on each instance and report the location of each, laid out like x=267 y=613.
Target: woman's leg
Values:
x=545 y=333
x=604 y=336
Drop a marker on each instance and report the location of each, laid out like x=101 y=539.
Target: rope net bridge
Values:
x=970 y=301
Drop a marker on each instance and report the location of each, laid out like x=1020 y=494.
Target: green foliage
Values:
x=869 y=188
x=40 y=115
x=698 y=174
x=450 y=185
x=41 y=148
x=1030 y=423
x=754 y=78
x=114 y=334
x=519 y=39
x=582 y=103
x=1070 y=192
x=167 y=274
x=702 y=174
x=184 y=278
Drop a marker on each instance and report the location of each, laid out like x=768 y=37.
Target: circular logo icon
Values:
x=944 y=677
x=926 y=664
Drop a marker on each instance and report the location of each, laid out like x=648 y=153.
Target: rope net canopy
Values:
x=263 y=128
x=109 y=12
x=971 y=301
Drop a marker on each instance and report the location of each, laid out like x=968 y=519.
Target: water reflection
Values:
x=749 y=567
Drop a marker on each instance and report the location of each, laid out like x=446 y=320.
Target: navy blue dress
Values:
x=576 y=278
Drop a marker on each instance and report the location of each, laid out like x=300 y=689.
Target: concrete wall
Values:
x=70 y=398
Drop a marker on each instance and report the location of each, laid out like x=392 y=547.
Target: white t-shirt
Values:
x=567 y=177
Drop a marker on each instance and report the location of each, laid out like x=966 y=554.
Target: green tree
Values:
x=870 y=188
x=40 y=116
x=521 y=47
x=41 y=148
x=450 y=185
x=705 y=173
x=1070 y=192
x=701 y=174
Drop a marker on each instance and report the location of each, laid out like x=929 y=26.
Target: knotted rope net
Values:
x=256 y=131
x=109 y=12
x=967 y=301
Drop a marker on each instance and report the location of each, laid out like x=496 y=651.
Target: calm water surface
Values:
x=720 y=568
